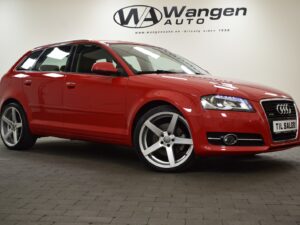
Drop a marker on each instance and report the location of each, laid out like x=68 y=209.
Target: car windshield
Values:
x=145 y=59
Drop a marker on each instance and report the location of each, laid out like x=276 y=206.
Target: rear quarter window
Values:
x=30 y=61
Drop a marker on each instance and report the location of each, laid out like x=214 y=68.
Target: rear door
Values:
x=94 y=103
x=43 y=88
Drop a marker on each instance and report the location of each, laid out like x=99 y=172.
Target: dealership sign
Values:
x=142 y=16
x=138 y=16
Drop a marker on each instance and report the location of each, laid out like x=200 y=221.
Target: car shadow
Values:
x=126 y=158
x=86 y=154
x=264 y=163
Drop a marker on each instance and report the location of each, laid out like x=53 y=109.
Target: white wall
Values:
x=262 y=46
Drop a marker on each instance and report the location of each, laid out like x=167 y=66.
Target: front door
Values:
x=94 y=104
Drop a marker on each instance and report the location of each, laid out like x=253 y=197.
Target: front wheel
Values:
x=163 y=140
x=15 y=131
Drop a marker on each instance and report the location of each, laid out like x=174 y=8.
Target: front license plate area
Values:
x=283 y=126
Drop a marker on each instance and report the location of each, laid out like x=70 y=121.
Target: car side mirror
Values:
x=104 y=68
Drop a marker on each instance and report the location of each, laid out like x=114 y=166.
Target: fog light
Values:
x=230 y=139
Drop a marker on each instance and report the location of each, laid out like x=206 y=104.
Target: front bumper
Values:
x=235 y=122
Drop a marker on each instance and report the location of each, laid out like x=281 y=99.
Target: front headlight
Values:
x=229 y=103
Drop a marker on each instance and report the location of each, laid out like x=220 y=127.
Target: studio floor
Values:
x=72 y=183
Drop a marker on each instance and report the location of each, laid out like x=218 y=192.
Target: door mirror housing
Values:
x=104 y=68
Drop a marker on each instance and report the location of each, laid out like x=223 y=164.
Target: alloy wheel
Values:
x=11 y=126
x=165 y=140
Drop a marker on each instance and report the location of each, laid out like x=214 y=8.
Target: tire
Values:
x=163 y=140
x=15 y=132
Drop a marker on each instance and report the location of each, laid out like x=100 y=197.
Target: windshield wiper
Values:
x=156 y=71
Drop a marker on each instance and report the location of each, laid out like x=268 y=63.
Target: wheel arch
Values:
x=145 y=108
x=183 y=104
x=19 y=101
x=8 y=101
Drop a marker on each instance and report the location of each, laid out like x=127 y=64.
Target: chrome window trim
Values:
x=297 y=116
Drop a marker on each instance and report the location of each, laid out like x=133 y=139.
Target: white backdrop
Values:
x=262 y=46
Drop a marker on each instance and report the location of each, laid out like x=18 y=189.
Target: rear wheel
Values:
x=15 y=131
x=163 y=139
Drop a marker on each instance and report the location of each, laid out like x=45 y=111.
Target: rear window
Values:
x=30 y=61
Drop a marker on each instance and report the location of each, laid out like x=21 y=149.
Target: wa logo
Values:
x=138 y=16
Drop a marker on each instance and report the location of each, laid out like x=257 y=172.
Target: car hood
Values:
x=208 y=84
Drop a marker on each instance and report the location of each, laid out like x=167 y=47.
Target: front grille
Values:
x=289 y=112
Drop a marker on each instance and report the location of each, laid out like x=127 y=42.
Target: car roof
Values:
x=106 y=42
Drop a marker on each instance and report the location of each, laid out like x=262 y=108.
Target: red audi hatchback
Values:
x=138 y=95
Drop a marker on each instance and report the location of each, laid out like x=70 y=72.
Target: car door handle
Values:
x=28 y=82
x=71 y=84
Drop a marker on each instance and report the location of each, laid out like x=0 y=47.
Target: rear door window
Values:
x=54 y=59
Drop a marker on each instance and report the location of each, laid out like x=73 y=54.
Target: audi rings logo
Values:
x=138 y=16
x=284 y=109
